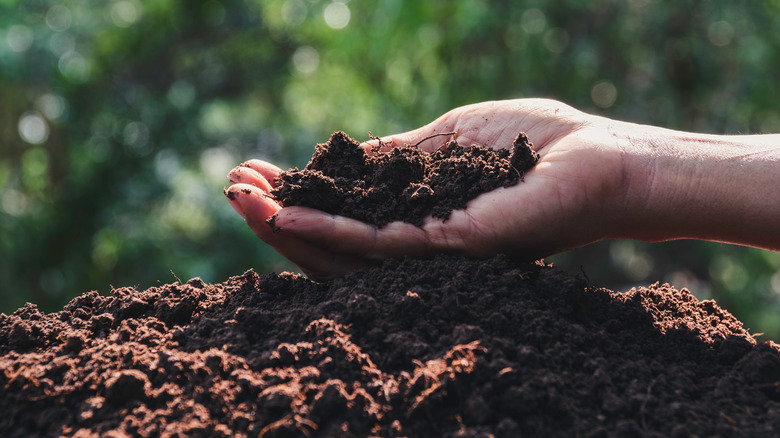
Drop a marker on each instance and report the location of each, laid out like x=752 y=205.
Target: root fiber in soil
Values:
x=434 y=348
x=405 y=184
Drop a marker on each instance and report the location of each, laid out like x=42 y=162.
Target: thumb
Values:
x=427 y=138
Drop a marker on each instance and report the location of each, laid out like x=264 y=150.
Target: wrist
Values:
x=713 y=187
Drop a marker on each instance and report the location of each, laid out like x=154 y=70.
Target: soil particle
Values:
x=405 y=184
x=435 y=348
x=229 y=195
x=127 y=385
x=272 y=223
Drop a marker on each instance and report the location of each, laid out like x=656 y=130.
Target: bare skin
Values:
x=597 y=179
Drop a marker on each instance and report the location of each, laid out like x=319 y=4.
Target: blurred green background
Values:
x=120 y=119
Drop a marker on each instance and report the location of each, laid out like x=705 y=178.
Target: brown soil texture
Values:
x=405 y=184
x=420 y=348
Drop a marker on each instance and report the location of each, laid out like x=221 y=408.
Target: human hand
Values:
x=565 y=201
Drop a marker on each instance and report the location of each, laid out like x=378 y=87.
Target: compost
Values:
x=445 y=347
x=422 y=348
x=405 y=184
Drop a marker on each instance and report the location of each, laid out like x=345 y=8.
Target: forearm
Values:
x=684 y=185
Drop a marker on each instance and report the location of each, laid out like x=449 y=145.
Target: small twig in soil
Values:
x=587 y=279
x=731 y=421
x=176 y=277
x=434 y=135
x=518 y=172
x=377 y=148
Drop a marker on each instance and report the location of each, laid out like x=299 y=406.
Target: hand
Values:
x=566 y=201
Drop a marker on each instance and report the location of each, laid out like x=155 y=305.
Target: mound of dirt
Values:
x=442 y=347
x=405 y=184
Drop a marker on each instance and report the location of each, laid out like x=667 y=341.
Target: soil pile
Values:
x=443 y=347
x=405 y=184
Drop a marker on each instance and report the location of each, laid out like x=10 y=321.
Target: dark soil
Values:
x=443 y=347
x=406 y=184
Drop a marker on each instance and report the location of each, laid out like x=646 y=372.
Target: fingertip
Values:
x=247 y=175
x=232 y=196
x=252 y=203
x=264 y=168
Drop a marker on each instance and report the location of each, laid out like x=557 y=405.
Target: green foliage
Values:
x=119 y=120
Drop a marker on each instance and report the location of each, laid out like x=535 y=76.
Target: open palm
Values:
x=557 y=207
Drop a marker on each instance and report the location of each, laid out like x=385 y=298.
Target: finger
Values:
x=264 y=168
x=253 y=204
x=356 y=238
x=247 y=175
x=318 y=263
x=426 y=137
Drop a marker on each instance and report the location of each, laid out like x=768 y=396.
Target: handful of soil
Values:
x=405 y=184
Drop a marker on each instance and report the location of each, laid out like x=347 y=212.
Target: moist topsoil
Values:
x=405 y=184
x=423 y=348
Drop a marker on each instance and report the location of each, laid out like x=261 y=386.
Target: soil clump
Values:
x=405 y=184
x=421 y=348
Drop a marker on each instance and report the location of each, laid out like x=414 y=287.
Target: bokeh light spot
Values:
x=429 y=35
x=294 y=12
x=33 y=128
x=105 y=247
x=19 y=38
x=74 y=67
x=52 y=281
x=58 y=18
x=136 y=135
x=730 y=273
x=636 y=264
x=337 y=15
x=51 y=105
x=13 y=202
x=775 y=282
x=604 y=94
x=306 y=59
x=125 y=13
x=533 y=21
x=217 y=162
x=34 y=166
x=62 y=42
x=181 y=94
x=720 y=33
x=556 y=40
x=166 y=164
